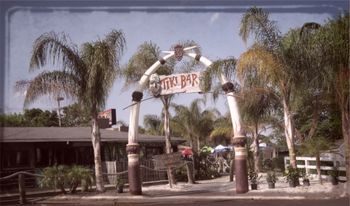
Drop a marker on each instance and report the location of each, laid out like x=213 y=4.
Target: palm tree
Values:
x=266 y=59
x=256 y=105
x=86 y=75
x=148 y=53
x=153 y=124
x=194 y=124
x=330 y=44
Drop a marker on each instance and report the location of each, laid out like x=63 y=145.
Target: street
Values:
x=327 y=202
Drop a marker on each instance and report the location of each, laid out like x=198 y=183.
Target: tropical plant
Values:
x=79 y=175
x=253 y=178
x=331 y=46
x=313 y=147
x=193 y=122
x=86 y=75
x=256 y=106
x=153 y=124
x=74 y=115
x=119 y=184
x=222 y=131
x=265 y=62
x=292 y=176
x=56 y=177
x=271 y=177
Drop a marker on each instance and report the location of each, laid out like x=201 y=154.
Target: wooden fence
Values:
x=309 y=164
x=148 y=173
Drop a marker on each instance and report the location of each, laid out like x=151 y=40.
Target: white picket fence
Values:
x=309 y=163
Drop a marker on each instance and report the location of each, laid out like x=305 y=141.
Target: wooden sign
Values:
x=167 y=160
x=176 y=83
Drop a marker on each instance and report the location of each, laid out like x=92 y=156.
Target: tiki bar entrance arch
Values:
x=133 y=148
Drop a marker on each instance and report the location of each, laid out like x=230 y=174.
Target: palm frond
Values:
x=147 y=54
x=259 y=64
x=55 y=46
x=256 y=21
x=54 y=83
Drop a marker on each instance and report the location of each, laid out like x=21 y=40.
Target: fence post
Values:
x=21 y=190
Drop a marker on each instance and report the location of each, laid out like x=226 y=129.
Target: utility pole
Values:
x=59 y=109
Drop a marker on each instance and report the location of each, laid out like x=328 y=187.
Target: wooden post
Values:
x=21 y=190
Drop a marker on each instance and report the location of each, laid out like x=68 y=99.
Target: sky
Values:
x=216 y=31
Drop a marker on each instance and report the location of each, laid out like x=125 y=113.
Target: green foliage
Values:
x=119 y=182
x=334 y=172
x=303 y=174
x=291 y=174
x=62 y=177
x=55 y=177
x=193 y=122
x=74 y=115
x=206 y=170
x=253 y=177
x=31 y=118
x=153 y=124
x=271 y=177
x=79 y=175
x=314 y=146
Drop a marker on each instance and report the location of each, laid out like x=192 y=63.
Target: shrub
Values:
x=291 y=174
x=271 y=177
x=62 y=177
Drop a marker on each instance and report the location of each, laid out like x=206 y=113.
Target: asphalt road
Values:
x=331 y=202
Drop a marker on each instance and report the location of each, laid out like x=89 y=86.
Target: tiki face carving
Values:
x=154 y=85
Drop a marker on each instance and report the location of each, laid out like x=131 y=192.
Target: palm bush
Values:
x=271 y=177
x=62 y=176
x=292 y=176
x=79 y=175
x=55 y=177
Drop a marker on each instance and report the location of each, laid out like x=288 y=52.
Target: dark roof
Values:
x=71 y=134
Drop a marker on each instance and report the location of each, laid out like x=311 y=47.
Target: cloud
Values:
x=214 y=18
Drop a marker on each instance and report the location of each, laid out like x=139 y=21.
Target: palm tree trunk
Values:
x=232 y=168
x=189 y=169
x=318 y=167
x=198 y=145
x=346 y=135
x=96 y=143
x=288 y=131
x=256 y=149
x=168 y=147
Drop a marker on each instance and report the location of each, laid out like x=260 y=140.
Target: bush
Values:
x=271 y=177
x=292 y=174
x=62 y=177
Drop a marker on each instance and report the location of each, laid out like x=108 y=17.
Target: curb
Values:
x=195 y=198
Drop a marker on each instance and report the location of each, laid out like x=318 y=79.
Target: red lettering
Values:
x=172 y=81
x=194 y=79
x=189 y=78
x=162 y=83
x=183 y=81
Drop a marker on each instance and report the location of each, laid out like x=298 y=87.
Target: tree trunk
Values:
x=346 y=135
x=96 y=143
x=232 y=168
x=168 y=147
x=288 y=131
x=189 y=169
x=256 y=149
x=198 y=145
x=318 y=167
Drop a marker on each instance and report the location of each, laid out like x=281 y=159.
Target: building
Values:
x=30 y=148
